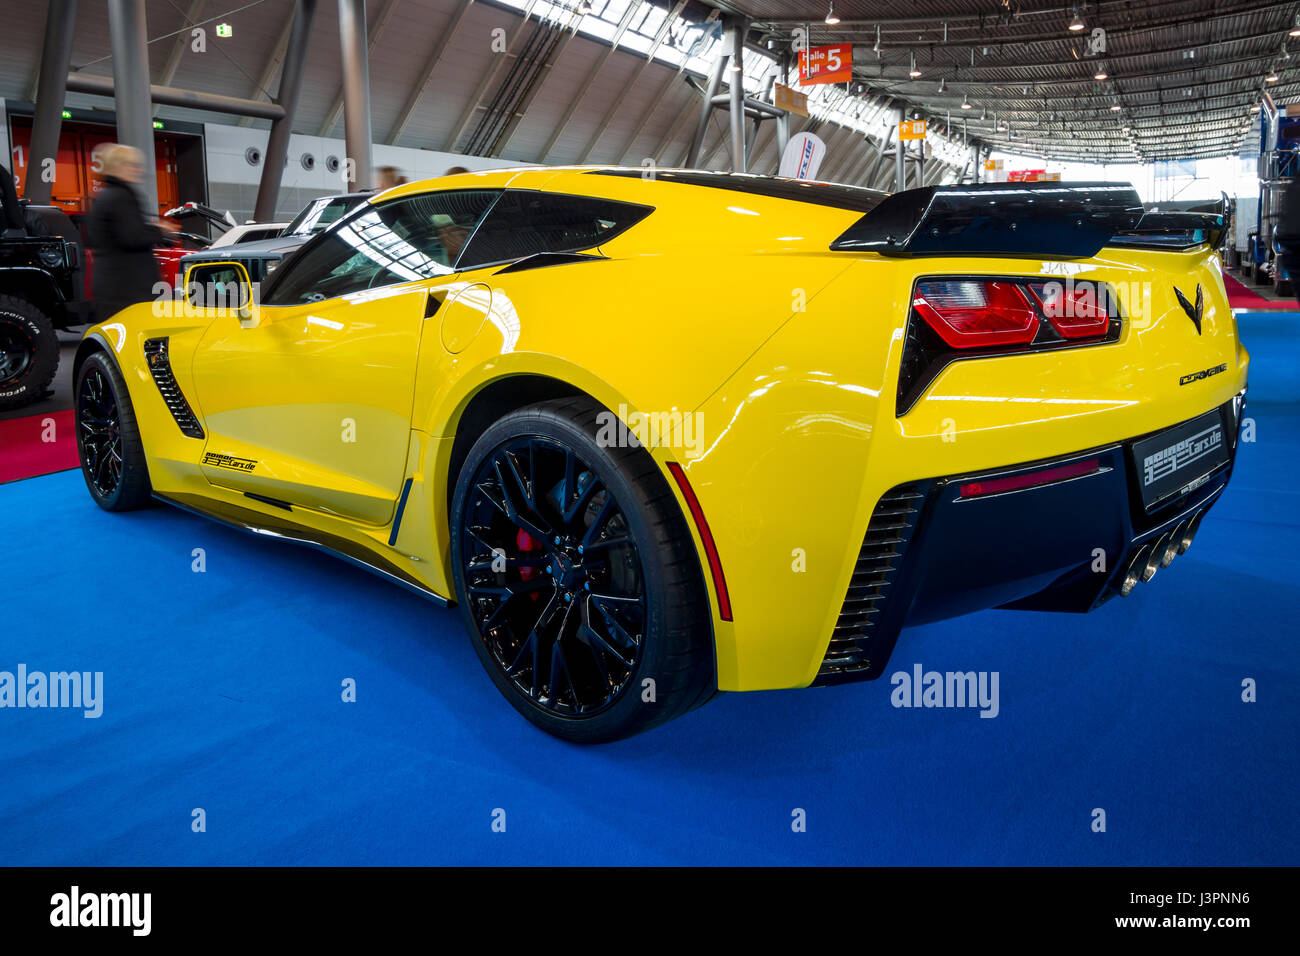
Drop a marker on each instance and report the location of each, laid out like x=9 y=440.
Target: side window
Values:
x=402 y=241
x=524 y=223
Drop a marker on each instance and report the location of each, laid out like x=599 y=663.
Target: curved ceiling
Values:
x=1179 y=76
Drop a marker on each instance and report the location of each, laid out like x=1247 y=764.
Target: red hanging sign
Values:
x=826 y=64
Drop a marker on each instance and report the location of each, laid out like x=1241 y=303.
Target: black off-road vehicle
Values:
x=42 y=288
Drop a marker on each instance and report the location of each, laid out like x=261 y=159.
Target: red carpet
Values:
x=1241 y=296
x=37 y=445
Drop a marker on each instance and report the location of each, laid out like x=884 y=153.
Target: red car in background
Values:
x=175 y=245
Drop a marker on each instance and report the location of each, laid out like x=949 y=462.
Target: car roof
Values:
x=642 y=183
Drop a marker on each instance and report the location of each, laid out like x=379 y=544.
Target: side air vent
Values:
x=155 y=354
x=883 y=547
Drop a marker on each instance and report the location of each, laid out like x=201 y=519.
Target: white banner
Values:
x=803 y=157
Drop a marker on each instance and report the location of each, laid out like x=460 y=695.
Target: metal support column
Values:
x=130 y=45
x=706 y=109
x=783 y=121
x=356 y=91
x=277 y=147
x=900 y=156
x=738 y=29
x=50 y=86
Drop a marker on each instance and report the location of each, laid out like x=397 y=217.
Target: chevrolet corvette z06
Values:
x=664 y=435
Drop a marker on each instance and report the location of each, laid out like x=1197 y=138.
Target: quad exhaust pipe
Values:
x=1150 y=558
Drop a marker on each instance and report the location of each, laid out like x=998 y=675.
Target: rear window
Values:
x=321 y=213
x=524 y=223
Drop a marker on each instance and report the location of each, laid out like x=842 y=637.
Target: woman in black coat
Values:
x=125 y=271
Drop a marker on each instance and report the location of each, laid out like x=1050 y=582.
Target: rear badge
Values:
x=228 y=461
x=1202 y=374
x=1194 y=312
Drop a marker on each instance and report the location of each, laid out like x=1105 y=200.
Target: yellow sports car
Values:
x=664 y=433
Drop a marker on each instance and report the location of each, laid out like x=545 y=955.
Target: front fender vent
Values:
x=160 y=367
x=862 y=617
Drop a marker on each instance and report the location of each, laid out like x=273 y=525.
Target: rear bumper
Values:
x=1069 y=545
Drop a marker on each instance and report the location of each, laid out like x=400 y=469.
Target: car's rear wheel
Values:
x=108 y=440
x=578 y=578
x=29 y=352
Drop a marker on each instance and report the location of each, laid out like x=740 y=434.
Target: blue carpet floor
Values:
x=222 y=692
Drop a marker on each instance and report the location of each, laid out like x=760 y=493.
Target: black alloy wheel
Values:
x=99 y=433
x=108 y=441
x=553 y=577
x=577 y=577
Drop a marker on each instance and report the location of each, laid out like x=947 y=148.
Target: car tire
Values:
x=557 y=626
x=29 y=352
x=108 y=438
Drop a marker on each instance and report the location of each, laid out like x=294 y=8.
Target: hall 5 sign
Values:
x=826 y=64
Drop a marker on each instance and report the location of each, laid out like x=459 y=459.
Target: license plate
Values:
x=1179 y=459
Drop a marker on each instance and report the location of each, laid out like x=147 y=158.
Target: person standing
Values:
x=386 y=177
x=121 y=235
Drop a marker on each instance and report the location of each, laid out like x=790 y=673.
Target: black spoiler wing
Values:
x=1179 y=229
x=1040 y=220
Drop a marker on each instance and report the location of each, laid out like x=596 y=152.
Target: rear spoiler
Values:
x=1040 y=220
x=1180 y=230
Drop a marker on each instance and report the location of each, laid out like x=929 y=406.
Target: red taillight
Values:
x=974 y=313
x=1078 y=310
x=1046 y=476
x=706 y=538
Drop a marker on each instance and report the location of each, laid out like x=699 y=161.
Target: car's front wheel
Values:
x=578 y=578
x=108 y=440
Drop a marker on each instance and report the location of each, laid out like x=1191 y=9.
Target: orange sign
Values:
x=826 y=64
x=911 y=129
x=792 y=101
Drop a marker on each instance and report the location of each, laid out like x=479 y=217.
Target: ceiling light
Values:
x=965 y=103
x=1077 y=23
x=913 y=72
x=1115 y=108
x=1272 y=77
x=831 y=18
x=942 y=84
x=1100 y=75
x=1295 y=30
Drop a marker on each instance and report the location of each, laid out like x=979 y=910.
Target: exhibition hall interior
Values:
x=649 y=432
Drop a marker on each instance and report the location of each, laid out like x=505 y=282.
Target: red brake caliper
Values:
x=526 y=543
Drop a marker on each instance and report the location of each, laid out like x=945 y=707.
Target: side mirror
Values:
x=223 y=286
